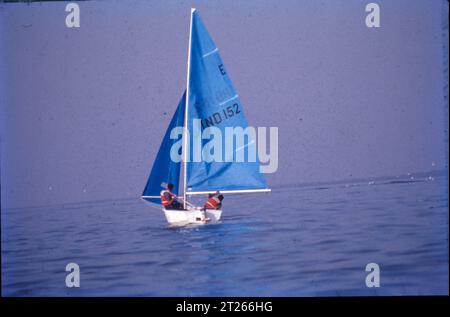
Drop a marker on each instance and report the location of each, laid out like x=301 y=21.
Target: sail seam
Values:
x=212 y=52
x=228 y=100
x=244 y=146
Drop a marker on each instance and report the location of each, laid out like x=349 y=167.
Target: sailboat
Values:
x=209 y=100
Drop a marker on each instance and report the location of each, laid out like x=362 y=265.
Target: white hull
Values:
x=192 y=216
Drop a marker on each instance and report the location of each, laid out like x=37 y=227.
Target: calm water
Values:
x=312 y=240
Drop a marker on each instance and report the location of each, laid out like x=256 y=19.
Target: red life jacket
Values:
x=213 y=203
x=164 y=200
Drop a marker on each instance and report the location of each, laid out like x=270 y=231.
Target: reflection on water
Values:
x=312 y=240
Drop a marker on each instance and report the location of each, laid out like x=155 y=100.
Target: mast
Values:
x=185 y=125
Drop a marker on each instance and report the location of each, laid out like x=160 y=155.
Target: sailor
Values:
x=168 y=199
x=214 y=201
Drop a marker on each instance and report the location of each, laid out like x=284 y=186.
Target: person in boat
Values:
x=214 y=201
x=169 y=200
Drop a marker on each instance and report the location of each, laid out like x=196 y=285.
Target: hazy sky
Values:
x=83 y=110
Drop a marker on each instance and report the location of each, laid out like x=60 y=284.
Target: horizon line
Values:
x=441 y=172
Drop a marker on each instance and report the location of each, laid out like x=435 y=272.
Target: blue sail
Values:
x=214 y=101
x=165 y=170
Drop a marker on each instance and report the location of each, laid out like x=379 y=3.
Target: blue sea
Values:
x=313 y=240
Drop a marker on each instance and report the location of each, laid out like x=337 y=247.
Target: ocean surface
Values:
x=296 y=241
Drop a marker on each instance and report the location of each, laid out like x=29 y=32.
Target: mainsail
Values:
x=211 y=101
